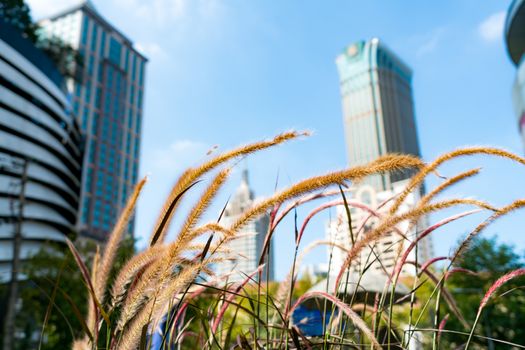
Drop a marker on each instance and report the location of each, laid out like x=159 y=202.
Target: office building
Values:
x=40 y=153
x=515 y=40
x=383 y=254
x=378 y=108
x=247 y=248
x=109 y=103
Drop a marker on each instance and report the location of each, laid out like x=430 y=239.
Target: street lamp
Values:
x=14 y=166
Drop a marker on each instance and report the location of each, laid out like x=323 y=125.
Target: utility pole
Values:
x=10 y=316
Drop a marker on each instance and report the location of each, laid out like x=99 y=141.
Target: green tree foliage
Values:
x=18 y=14
x=67 y=59
x=504 y=316
x=52 y=278
x=54 y=287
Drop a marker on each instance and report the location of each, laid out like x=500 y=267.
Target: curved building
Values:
x=515 y=40
x=40 y=152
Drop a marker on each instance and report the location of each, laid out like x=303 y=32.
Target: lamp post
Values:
x=18 y=167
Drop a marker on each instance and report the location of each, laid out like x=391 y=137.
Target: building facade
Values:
x=40 y=153
x=383 y=254
x=515 y=39
x=378 y=108
x=245 y=250
x=109 y=103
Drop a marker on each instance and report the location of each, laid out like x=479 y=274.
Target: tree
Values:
x=18 y=14
x=67 y=59
x=54 y=287
x=504 y=316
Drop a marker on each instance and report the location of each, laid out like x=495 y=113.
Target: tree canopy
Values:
x=18 y=14
x=504 y=316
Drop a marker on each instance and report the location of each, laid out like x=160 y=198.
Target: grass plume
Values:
x=173 y=284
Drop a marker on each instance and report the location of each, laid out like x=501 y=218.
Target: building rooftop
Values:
x=89 y=7
x=515 y=30
x=242 y=198
x=371 y=51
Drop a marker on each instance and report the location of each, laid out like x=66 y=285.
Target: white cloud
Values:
x=159 y=11
x=45 y=8
x=491 y=29
x=177 y=156
x=162 y=12
x=151 y=50
x=430 y=42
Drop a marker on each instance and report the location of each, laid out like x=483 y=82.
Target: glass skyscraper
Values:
x=109 y=104
x=515 y=38
x=378 y=108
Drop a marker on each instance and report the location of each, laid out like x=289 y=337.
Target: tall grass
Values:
x=168 y=296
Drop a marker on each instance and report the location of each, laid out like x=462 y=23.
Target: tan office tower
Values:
x=378 y=109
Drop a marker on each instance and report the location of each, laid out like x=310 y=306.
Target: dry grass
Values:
x=165 y=281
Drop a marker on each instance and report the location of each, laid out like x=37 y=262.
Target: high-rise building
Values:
x=383 y=254
x=40 y=153
x=109 y=104
x=378 y=109
x=515 y=39
x=247 y=248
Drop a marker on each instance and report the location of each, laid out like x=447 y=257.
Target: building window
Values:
x=139 y=120
x=130 y=120
x=85 y=24
x=98 y=97
x=139 y=104
x=88 y=93
x=94 y=37
x=76 y=106
x=126 y=60
x=103 y=44
x=91 y=157
x=131 y=100
x=133 y=68
x=115 y=49
x=94 y=123
x=85 y=118
x=141 y=74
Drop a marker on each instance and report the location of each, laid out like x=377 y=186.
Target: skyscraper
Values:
x=515 y=39
x=248 y=247
x=378 y=118
x=378 y=110
x=109 y=104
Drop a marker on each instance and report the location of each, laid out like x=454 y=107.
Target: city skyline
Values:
x=285 y=77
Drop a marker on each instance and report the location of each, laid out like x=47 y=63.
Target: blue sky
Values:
x=227 y=72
